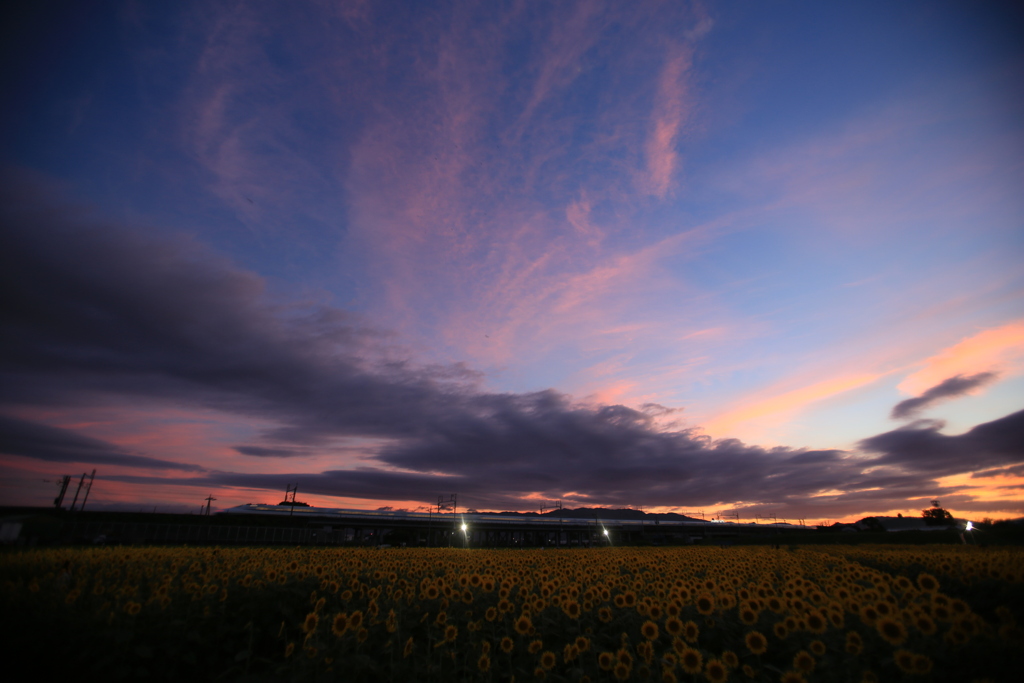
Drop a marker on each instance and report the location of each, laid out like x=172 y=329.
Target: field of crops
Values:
x=843 y=613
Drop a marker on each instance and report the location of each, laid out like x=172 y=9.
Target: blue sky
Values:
x=755 y=228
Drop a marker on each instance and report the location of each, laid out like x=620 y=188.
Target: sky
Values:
x=746 y=259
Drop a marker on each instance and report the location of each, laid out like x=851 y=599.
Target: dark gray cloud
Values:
x=43 y=442
x=1015 y=471
x=957 y=385
x=921 y=447
x=263 y=452
x=97 y=312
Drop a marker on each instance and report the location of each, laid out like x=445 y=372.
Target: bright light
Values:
x=463 y=527
x=970 y=525
x=605 y=532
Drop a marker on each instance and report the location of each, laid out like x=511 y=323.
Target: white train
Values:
x=480 y=518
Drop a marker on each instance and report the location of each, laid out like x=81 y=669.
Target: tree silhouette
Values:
x=936 y=515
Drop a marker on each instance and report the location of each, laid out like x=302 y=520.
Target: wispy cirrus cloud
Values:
x=670 y=116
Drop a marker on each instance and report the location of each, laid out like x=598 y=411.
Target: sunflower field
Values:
x=845 y=613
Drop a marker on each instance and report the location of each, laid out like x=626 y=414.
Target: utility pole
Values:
x=62 y=484
x=87 y=489
x=556 y=506
x=75 y=500
x=209 y=499
x=291 y=489
x=443 y=504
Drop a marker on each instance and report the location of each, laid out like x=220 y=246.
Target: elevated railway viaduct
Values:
x=284 y=524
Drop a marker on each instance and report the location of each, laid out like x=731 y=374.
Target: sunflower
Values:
x=355 y=620
x=927 y=583
x=868 y=614
x=894 y=632
x=816 y=623
x=548 y=660
x=780 y=630
x=756 y=642
x=792 y=677
x=649 y=630
x=606 y=660
x=803 y=661
x=705 y=603
x=748 y=616
x=523 y=625
x=730 y=659
x=535 y=646
x=582 y=644
x=604 y=614
x=817 y=648
x=311 y=622
x=716 y=671
x=854 y=644
x=450 y=633
x=289 y=649
x=621 y=671
x=673 y=626
x=922 y=664
x=691 y=660
x=905 y=659
x=691 y=631
x=408 y=647
x=339 y=624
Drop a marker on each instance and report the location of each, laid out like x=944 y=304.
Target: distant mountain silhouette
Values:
x=606 y=513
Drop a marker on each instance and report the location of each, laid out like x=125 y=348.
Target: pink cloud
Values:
x=557 y=64
x=671 y=112
x=998 y=349
x=787 y=402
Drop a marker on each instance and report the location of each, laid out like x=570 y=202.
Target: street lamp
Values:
x=465 y=535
